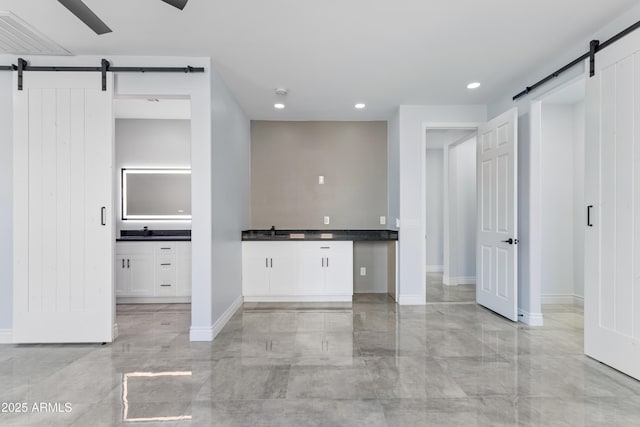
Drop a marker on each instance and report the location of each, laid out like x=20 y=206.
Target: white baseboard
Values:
x=531 y=319
x=6 y=336
x=299 y=298
x=435 y=268
x=412 y=300
x=153 y=300
x=201 y=333
x=460 y=280
x=208 y=333
x=226 y=316
x=568 y=299
x=449 y=281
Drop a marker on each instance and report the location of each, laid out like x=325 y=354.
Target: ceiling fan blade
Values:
x=180 y=4
x=82 y=11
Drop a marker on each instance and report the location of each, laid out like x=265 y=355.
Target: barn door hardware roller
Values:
x=594 y=47
x=104 y=68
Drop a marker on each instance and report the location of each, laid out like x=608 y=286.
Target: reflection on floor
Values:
x=375 y=364
x=438 y=292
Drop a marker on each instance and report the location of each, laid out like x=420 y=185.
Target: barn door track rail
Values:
x=594 y=47
x=104 y=68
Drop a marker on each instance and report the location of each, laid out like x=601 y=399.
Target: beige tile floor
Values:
x=374 y=364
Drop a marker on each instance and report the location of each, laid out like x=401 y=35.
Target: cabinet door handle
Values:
x=325 y=247
x=165 y=249
x=589 y=223
x=103 y=216
x=164 y=286
x=327 y=261
x=322 y=261
x=122 y=262
x=271 y=262
x=266 y=263
x=165 y=264
x=128 y=263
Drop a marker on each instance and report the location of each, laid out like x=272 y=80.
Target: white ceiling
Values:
x=331 y=54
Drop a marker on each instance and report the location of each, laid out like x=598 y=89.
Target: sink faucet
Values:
x=273 y=230
x=146 y=232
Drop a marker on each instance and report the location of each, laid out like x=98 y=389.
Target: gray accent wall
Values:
x=287 y=159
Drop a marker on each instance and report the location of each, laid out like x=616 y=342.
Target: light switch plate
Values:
x=327 y=220
x=397 y=223
x=383 y=220
x=363 y=271
x=321 y=179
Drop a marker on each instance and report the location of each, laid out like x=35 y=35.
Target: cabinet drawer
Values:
x=165 y=249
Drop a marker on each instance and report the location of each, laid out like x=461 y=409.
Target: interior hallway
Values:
x=374 y=364
x=438 y=292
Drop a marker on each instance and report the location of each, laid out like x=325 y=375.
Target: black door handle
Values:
x=511 y=241
x=589 y=224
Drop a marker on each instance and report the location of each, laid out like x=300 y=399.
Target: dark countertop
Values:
x=305 y=235
x=154 y=236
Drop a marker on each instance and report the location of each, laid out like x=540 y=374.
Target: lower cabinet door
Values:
x=141 y=274
x=283 y=269
x=339 y=269
x=122 y=276
x=312 y=263
x=255 y=269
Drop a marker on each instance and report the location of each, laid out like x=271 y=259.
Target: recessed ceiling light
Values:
x=474 y=85
x=360 y=106
x=279 y=106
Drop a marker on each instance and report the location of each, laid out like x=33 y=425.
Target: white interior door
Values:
x=612 y=193
x=497 y=225
x=63 y=233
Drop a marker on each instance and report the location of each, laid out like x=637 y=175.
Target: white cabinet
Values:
x=297 y=271
x=153 y=271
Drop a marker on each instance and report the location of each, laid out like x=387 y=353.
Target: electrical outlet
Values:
x=327 y=220
x=397 y=223
x=383 y=220
x=363 y=271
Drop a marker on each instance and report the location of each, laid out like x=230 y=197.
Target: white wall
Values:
x=413 y=123
x=393 y=170
x=466 y=210
x=557 y=273
x=231 y=184
x=6 y=198
x=150 y=143
x=434 y=190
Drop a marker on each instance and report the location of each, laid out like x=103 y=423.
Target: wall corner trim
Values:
x=531 y=319
x=412 y=300
x=6 y=336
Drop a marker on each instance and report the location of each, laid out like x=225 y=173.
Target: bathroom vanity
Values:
x=153 y=266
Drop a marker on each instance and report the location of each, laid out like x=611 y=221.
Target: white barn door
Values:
x=612 y=192
x=497 y=223
x=63 y=233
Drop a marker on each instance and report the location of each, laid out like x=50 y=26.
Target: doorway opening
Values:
x=450 y=195
x=152 y=212
x=560 y=202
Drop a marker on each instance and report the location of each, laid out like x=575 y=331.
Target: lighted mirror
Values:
x=156 y=194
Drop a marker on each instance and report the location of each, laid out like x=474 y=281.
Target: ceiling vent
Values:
x=19 y=38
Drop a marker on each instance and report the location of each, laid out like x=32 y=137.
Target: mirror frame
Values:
x=138 y=171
